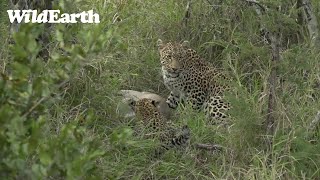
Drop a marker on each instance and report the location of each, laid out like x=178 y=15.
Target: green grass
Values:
x=228 y=37
x=4 y=34
x=225 y=41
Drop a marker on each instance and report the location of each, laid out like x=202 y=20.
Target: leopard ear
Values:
x=132 y=103
x=160 y=44
x=185 y=43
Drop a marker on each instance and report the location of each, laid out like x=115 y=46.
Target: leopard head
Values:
x=172 y=55
x=145 y=108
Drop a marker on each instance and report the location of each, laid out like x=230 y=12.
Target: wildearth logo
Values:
x=52 y=16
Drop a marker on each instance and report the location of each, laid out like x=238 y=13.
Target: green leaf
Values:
x=19 y=52
x=45 y=158
x=96 y=154
x=60 y=38
x=32 y=46
x=20 y=71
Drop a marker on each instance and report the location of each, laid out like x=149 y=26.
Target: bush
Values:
x=58 y=117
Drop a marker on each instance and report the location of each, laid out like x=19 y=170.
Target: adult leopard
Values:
x=194 y=80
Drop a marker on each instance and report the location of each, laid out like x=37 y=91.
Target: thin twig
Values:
x=310 y=19
x=262 y=7
x=274 y=42
x=272 y=83
x=209 y=147
x=26 y=113
x=187 y=14
x=313 y=126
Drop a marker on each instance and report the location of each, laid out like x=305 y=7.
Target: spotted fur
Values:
x=157 y=126
x=194 y=80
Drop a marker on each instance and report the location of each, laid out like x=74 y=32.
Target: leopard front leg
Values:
x=173 y=100
x=173 y=138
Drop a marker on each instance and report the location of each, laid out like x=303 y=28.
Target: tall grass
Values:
x=226 y=35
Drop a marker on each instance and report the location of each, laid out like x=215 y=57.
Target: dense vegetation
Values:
x=58 y=116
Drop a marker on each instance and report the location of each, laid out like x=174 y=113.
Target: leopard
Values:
x=158 y=127
x=194 y=80
x=132 y=95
